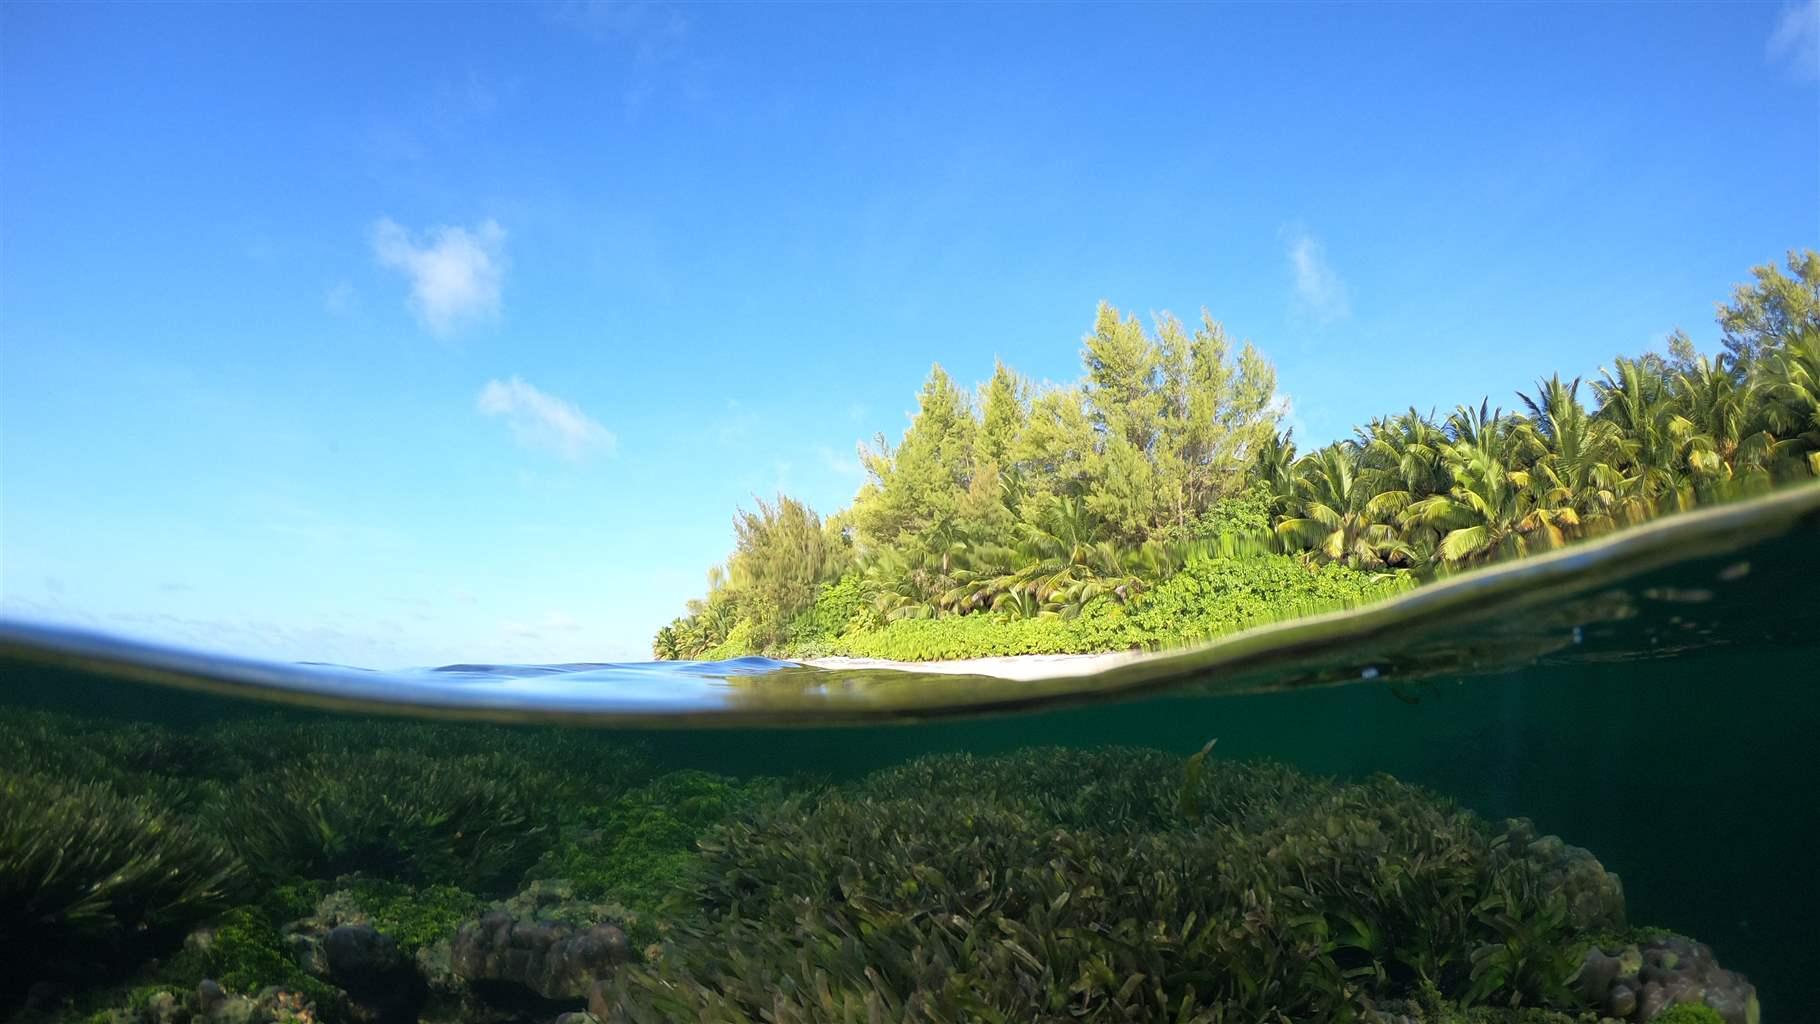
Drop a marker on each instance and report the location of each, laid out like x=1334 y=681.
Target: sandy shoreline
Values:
x=1016 y=666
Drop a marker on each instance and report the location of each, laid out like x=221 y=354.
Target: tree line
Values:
x=1031 y=501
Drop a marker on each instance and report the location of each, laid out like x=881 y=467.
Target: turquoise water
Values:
x=1653 y=702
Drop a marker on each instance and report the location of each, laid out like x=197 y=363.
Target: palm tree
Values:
x=668 y=644
x=1491 y=511
x=1401 y=462
x=1575 y=466
x=1340 y=517
x=1634 y=399
x=1790 y=394
x=1274 y=470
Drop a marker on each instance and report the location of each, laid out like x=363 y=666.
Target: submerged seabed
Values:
x=191 y=851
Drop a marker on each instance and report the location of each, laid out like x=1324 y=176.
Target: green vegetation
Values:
x=638 y=851
x=477 y=820
x=414 y=917
x=90 y=879
x=1109 y=884
x=1054 y=519
x=243 y=951
x=1688 y=1013
x=122 y=843
x=1057 y=884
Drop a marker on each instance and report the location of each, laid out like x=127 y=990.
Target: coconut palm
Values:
x=1339 y=519
x=1491 y=511
x=1634 y=398
x=668 y=644
x=1790 y=394
x=1576 y=456
x=1274 y=470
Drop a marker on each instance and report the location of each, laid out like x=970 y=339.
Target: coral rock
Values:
x=1595 y=896
x=553 y=959
x=1638 y=982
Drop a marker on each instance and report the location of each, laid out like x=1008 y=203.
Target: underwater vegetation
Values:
x=90 y=878
x=477 y=821
x=265 y=869
x=962 y=888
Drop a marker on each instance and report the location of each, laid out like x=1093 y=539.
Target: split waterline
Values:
x=1652 y=704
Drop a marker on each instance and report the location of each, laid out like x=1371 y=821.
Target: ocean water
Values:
x=187 y=836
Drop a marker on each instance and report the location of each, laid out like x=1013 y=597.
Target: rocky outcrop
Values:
x=1637 y=982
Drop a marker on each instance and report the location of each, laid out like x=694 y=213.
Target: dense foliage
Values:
x=1053 y=518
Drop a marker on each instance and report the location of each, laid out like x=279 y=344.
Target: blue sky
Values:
x=405 y=334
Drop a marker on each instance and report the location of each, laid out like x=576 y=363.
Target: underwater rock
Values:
x=369 y=966
x=209 y=996
x=1595 y=896
x=543 y=941
x=600 y=1002
x=1622 y=1002
x=1640 y=981
x=552 y=959
x=164 y=1008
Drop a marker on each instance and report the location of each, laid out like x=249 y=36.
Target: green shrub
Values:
x=1208 y=598
x=1214 y=596
x=741 y=641
x=836 y=605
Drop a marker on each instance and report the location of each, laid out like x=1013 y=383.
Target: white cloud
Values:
x=454 y=273
x=1319 y=291
x=544 y=421
x=1796 y=40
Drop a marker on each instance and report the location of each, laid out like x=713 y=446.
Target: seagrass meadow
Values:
x=1572 y=791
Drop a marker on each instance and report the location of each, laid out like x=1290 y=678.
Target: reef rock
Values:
x=552 y=959
x=1637 y=982
x=374 y=972
x=1595 y=896
x=543 y=941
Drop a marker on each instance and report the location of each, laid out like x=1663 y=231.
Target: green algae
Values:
x=1688 y=1013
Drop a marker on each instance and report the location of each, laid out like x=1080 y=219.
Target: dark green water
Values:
x=1670 y=725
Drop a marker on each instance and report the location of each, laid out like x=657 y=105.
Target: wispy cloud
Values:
x=1282 y=405
x=1319 y=291
x=455 y=273
x=1796 y=39
x=847 y=467
x=655 y=34
x=544 y=421
x=552 y=622
x=341 y=299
